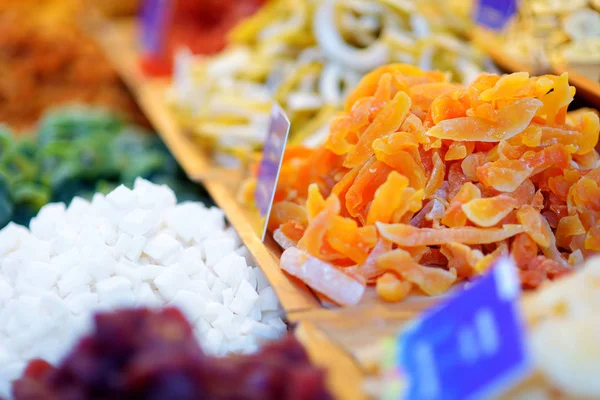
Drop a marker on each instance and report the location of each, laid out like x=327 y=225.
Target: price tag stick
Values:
x=270 y=165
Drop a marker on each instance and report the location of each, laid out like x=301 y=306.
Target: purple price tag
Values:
x=268 y=170
x=470 y=347
x=495 y=14
x=155 y=14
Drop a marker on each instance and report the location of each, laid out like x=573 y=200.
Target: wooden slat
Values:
x=344 y=377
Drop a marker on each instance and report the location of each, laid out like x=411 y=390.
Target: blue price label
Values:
x=471 y=347
x=495 y=14
x=154 y=19
x=268 y=170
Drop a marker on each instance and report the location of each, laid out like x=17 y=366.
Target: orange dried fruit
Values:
x=432 y=281
x=451 y=176
x=489 y=211
x=408 y=236
x=511 y=120
x=391 y=288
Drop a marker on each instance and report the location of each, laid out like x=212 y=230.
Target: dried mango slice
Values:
x=462 y=258
x=506 y=175
x=532 y=222
x=436 y=178
x=489 y=211
x=454 y=215
x=347 y=238
x=386 y=199
x=567 y=227
x=368 y=270
x=409 y=236
x=512 y=120
x=389 y=119
x=391 y=288
x=322 y=276
x=452 y=176
x=432 y=281
x=505 y=87
x=286 y=211
x=314 y=235
x=362 y=191
x=315 y=202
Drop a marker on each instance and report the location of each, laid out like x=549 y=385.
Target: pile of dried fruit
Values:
x=45 y=60
x=307 y=55
x=142 y=354
x=422 y=183
x=558 y=32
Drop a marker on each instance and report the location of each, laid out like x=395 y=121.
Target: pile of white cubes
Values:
x=129 y=248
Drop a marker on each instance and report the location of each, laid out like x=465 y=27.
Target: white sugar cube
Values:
x=230 y=269
x=201 y=288
x=146 y=296
x=107 y=210
x=213 y=340
x=136 y=246
x=10 y=268
x=76 y=276
x=191 y=304
x=244 y=299
x=122 y=198
x=210 y=279
x=6 y=290
x=122 y=245
x=216 y=249
x=161 y=247
x=10 y=238
x=212 y=311
x=255 y=313
x=151 y=272
x=261 y=279
x=278 y=324
x=129 y=270
x=217 y=290
x=202 y=326
x=34 y=249
x=139 y=222
x=170 y=282
x=191 y=260
x=79 y=303
x=269 y=315
x=227 y=296
x=40 y=275
x=264 y=331
x=112 y=285
x=184 y=220
x=78 y=208
x=268 y=299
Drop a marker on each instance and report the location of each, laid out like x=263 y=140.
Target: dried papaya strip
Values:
x=314 y=235
x=286 y=211
x=391 y=288
x=368 y=270
x=347 y=238
x=462 y=258
x=512 y=120
x=489 y=211
x=432 y=281
x=362 y=191
x=454 y=215
x=389 y=120
x=409 y=236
